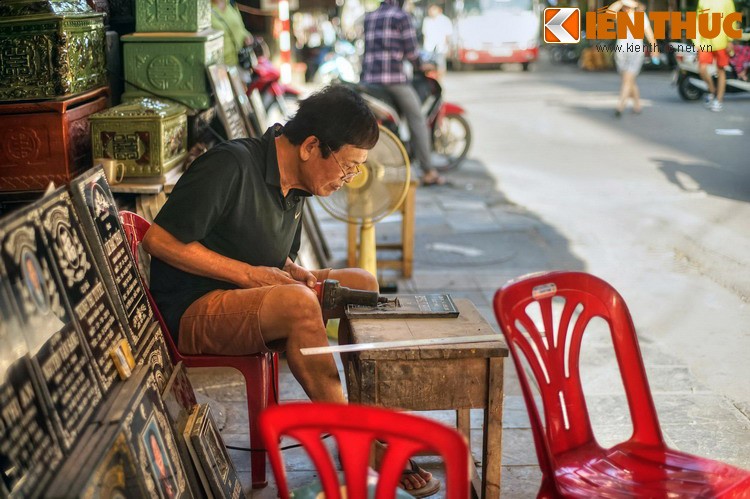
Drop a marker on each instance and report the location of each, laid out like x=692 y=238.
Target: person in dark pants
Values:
x=390 y=38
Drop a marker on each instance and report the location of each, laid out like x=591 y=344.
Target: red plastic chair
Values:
x=260 y=370
x=354 y=428
x=572 y=462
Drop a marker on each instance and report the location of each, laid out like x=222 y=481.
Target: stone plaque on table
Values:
x=59 y=358
x=28 y=449
x=82 y=283
x=229 y=112
x=50 y=49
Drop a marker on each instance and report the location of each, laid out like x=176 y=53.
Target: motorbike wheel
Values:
x=275 y=113
x=451 y=139
x=686 y=89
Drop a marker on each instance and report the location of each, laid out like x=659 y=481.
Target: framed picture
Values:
x=210 y=455
x=229 y=113
x=243 y=102
x=159 y=460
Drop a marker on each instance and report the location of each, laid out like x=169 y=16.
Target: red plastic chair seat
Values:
x=354 y=427
x=260 y=370
x=543 y=318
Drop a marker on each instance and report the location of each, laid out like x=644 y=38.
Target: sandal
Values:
x=431 y=487
x=433 y=179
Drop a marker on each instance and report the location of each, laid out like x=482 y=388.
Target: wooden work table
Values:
x=436 y=377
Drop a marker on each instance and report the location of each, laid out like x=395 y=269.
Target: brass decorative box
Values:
x=43 y=142
x=172 y=65
x=148 y=135
x=172 y=15
x=50 y=49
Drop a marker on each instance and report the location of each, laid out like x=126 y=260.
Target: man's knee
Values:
x=291 y=307
x=355 y=278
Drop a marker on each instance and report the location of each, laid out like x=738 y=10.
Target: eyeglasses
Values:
x=346 y=177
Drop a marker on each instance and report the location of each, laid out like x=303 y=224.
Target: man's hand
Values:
x=300 y=274
x=257 y=276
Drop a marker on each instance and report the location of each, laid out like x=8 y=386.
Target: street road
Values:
x=657 y=204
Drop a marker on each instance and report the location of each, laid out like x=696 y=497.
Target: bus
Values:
x=495 y=32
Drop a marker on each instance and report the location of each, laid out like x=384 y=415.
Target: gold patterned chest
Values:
x=148 y=135
x=50 y=49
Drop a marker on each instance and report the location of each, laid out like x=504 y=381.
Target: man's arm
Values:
x=196 y=259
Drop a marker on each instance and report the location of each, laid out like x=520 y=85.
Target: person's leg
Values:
x=704 y=59
x=635 y=93
x=291 y=319
x=624 y=93
x=408 y=102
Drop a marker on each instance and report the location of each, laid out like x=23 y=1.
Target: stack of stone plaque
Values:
x=29 y=449
x=170 y=51
x=129 y=449
x=53 y=77
x=70 y=296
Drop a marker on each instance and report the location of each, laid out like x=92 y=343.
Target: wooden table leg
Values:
x=492 y=446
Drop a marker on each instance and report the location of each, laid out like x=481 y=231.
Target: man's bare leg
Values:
x=291 y=315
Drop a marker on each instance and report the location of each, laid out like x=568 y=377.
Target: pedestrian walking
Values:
x=629 y=55
x=437 y=31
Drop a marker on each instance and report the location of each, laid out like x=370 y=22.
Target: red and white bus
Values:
x=494 y=32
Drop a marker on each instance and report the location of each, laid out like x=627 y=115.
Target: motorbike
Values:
x=687 y=78
x=451 y=133
x=279 y=99
x=340 y=64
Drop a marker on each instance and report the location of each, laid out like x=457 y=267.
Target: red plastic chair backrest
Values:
x=551 y=346
x=135 y=227
x=355 y=427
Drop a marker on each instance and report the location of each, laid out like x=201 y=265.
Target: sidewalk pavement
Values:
x=469 y=241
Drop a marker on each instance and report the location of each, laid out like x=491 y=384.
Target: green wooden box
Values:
x=172 y=15
x=50 y=49
x=172 y=65
x=148 y=135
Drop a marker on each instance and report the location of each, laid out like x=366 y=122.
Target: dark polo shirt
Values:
x=230 y=201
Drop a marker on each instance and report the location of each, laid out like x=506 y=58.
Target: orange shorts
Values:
x=227 y=322
x=721 y=57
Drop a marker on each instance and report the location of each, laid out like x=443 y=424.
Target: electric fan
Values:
x=373 y=194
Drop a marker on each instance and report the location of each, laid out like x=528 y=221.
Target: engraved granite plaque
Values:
x=101 y=225
x=28 y=450
x=229 y=112
x=59 y=358
x=179 y=400
x=80 y=279
x=210 y=455
x=141 y=414
x=249 y=116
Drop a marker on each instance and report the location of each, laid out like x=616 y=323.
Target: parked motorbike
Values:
x=690 y=86
x=279 y=99
x=340 y=64
x=451 y=133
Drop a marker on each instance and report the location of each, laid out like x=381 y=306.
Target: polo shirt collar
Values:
x=273 y=175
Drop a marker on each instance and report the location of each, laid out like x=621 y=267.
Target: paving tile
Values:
x=520 y=482
x=725 y=441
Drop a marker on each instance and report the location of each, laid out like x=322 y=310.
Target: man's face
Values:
x=158 y=458
x=325 y=176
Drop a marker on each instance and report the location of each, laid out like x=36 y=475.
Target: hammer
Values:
x=331 y=294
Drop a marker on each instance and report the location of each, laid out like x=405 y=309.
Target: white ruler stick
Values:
x=383 y=345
